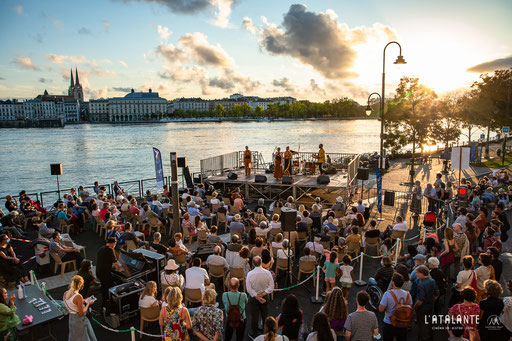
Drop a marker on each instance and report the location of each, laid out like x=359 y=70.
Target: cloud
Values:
x=319 y=40
x=25 y=62
x=203 y=52
x=19 y=9
x=2 y=78
x=106 y=23
x=57 y=23
x=249 y=26
x=283 y=83
x=230 y=80
x=123 y=63
x=493 y=65
x=163 y=32
x=45 y=80
x=121 y=89
x=85 y=31
x=62 y=59
x=222 y=8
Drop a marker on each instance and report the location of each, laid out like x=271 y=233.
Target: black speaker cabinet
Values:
x=362 y=173
x=232 y=176
x=288 y=180
x=288 y=219
x=260 y=178
x=323 y=180
x=56 y=168
x=389 y=198
x=182 y=161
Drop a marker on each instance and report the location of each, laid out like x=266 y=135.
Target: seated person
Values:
x=91 y=284
x=285 y=252
x=65 y=253
x=196 y=277
x=263 y=229
x=175 y=249
x=316 y=246
x=216 y=259
x=148 y=296
x=46 y=231
x=128 y=234
x=212 y=237
x=308 y=257
x=324 y=235
x=11 y=204
x=171 y=277
x=329 y=223
x=302 y=226
x=156 y=246
x=339 y=205
x=8 y=224
x=278 y=242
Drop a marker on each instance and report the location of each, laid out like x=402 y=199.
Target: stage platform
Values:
x=304 y=187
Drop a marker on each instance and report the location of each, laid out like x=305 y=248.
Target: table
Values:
x=25 y=308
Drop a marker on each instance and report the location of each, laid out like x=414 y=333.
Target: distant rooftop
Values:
x=140 y=95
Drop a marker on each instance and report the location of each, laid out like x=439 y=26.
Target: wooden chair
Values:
x=130 y=245
x=353 y=248
x=303 y=237
x=398 y=235
x=307 y=267
x=227 y=201
x=215 y=207
x=238 y=273
x=138 y=224
x=339 y=214
x=153 y=222
x=63 y=226
x=188 y=237
x=217 y=271
x=58 y=261
x=100 y=226
x=150 y=314
x=274 y=251
x=209 y=198
x=374 y=241
x=221 y=218
x=235 y=233
x=181 y=260
x=272 y=234
x=202 y=237
x=234 y=210
x=282 y=264
x=276 y=210
x=193 y=296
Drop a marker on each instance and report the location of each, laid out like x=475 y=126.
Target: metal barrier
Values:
x=340 y=161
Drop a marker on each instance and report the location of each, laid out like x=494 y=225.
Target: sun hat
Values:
x=171 y=265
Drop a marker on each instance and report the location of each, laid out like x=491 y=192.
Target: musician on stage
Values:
x=288 y=161
x=247 y=161
x=278 y=168
x=321 y=157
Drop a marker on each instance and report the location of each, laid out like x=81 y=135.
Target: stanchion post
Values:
x=317 y=298
x=424 y=233
x=132 y=332
x=398 y=241
x=360 y=281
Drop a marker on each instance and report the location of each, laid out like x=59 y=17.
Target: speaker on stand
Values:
x=56 y=169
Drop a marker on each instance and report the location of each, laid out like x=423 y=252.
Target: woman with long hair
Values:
x=148 y=296
x=91 y=284
x=336 y=310
x=320 y=329
x=175 y=317
x=80 y=328
x=270 y=329
x=8 y=318
x=448 y=254
x=290 y=319
x=12 y=268
x=278 y=168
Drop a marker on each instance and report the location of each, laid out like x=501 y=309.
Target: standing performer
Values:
x=288 y=161
x=321 y=157
x=278 y=168
x=247 y=161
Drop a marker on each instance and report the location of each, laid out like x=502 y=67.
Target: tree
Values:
x=258 y=111
x=409 y=117
x=448 y=124
x=219 y=110
x=241 y=110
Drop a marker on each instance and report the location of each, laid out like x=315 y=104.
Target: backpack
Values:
x=234 y=317
x=403 y=314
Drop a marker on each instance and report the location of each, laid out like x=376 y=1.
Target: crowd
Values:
x=454 y=270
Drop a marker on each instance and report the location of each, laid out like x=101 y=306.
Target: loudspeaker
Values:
x=323 y=180
x=260 y=178
x=389 y=198
x=362 y=173
x=56 y=168
x=288 y=180
x=182 y=161
x=288 y=219
x=232 y=176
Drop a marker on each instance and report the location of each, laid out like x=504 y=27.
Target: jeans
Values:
x=228 y=335
x=257 y=309
x=389 y=333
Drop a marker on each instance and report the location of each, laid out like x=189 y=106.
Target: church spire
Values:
x=76 y=78
x=71 y=74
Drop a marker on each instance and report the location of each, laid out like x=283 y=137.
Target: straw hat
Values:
x=171 y=265
x=339 y=199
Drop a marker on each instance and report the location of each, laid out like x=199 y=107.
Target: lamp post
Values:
x=399 y=60
x=368 y=112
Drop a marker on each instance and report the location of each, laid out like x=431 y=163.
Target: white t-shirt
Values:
x=215 y=201
x=312 y=336
x=464 y=278
x=195 y=278
x=283 y=255
x=275 y=225
x=278 y=338
x=147 y=301
x=401 y=226
x=345 y=276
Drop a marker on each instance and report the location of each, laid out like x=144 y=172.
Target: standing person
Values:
x=496 y=262
x=208 y=320
x=247 y=161
x=91 y=284
x=390 y=300
x=468 y=312
x=466 y=277
x=417 y=196
x=291 y=318
x=175 y=317
x=234 y=304
x=259 y=285
x=288 y=161
x=106 y=259
x=8 y=318
x=278 y=168
x=270 y=331
x=427 y=293
x=330 y=267
x=320 y=329
x=492 y=306
x=320 y=157
x=336 y=310
x=448 y=254
x=463 y=246
x=483 y=273
x=362 y=325
x=347 y=276
x=430 y=194
x=80 y=328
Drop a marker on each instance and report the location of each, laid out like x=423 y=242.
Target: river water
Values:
x=124 y=152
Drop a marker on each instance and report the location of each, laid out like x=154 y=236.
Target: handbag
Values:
x=447 y=259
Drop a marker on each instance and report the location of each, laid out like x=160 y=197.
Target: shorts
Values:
x=331 y=280
x=346 y=284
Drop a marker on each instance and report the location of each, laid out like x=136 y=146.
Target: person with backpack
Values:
x=175 y=318
x=438 y=276
x=234 y=304
x=426 y=295
x=397 y=305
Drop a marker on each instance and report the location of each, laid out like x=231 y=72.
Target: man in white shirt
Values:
x=216 y=259
x=197 y=277
x=185 y=194
x=431 y=195
x=400 y=225
x=263 y=229
x=259 y=284
x=316 y=246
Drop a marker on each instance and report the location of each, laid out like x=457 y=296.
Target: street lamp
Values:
x=399 y=60
x=369 y=109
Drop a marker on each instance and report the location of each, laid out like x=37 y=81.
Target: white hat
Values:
x=433 y=261
x=171 y=265
x=339 y=199
x=237 y=216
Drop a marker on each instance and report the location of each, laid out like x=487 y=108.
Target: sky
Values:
x=316 y=50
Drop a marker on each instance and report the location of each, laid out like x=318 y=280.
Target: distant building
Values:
x=11 y=110
x=75 y=88
x=48 y=106
x=99 y=110
x=137 y=106
x=204 y=105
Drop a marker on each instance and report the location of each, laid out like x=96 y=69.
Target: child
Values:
x=330 y=267
x=386 y=245
x=347 y=276
x=179 y=242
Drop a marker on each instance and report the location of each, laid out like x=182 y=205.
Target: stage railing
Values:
x=339 y=160
x=217 y=165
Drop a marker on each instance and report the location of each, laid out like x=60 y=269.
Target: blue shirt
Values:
x=332 y=227
x=389 y=302
x=426 y=291
x=62 y=215
x=193 y=211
